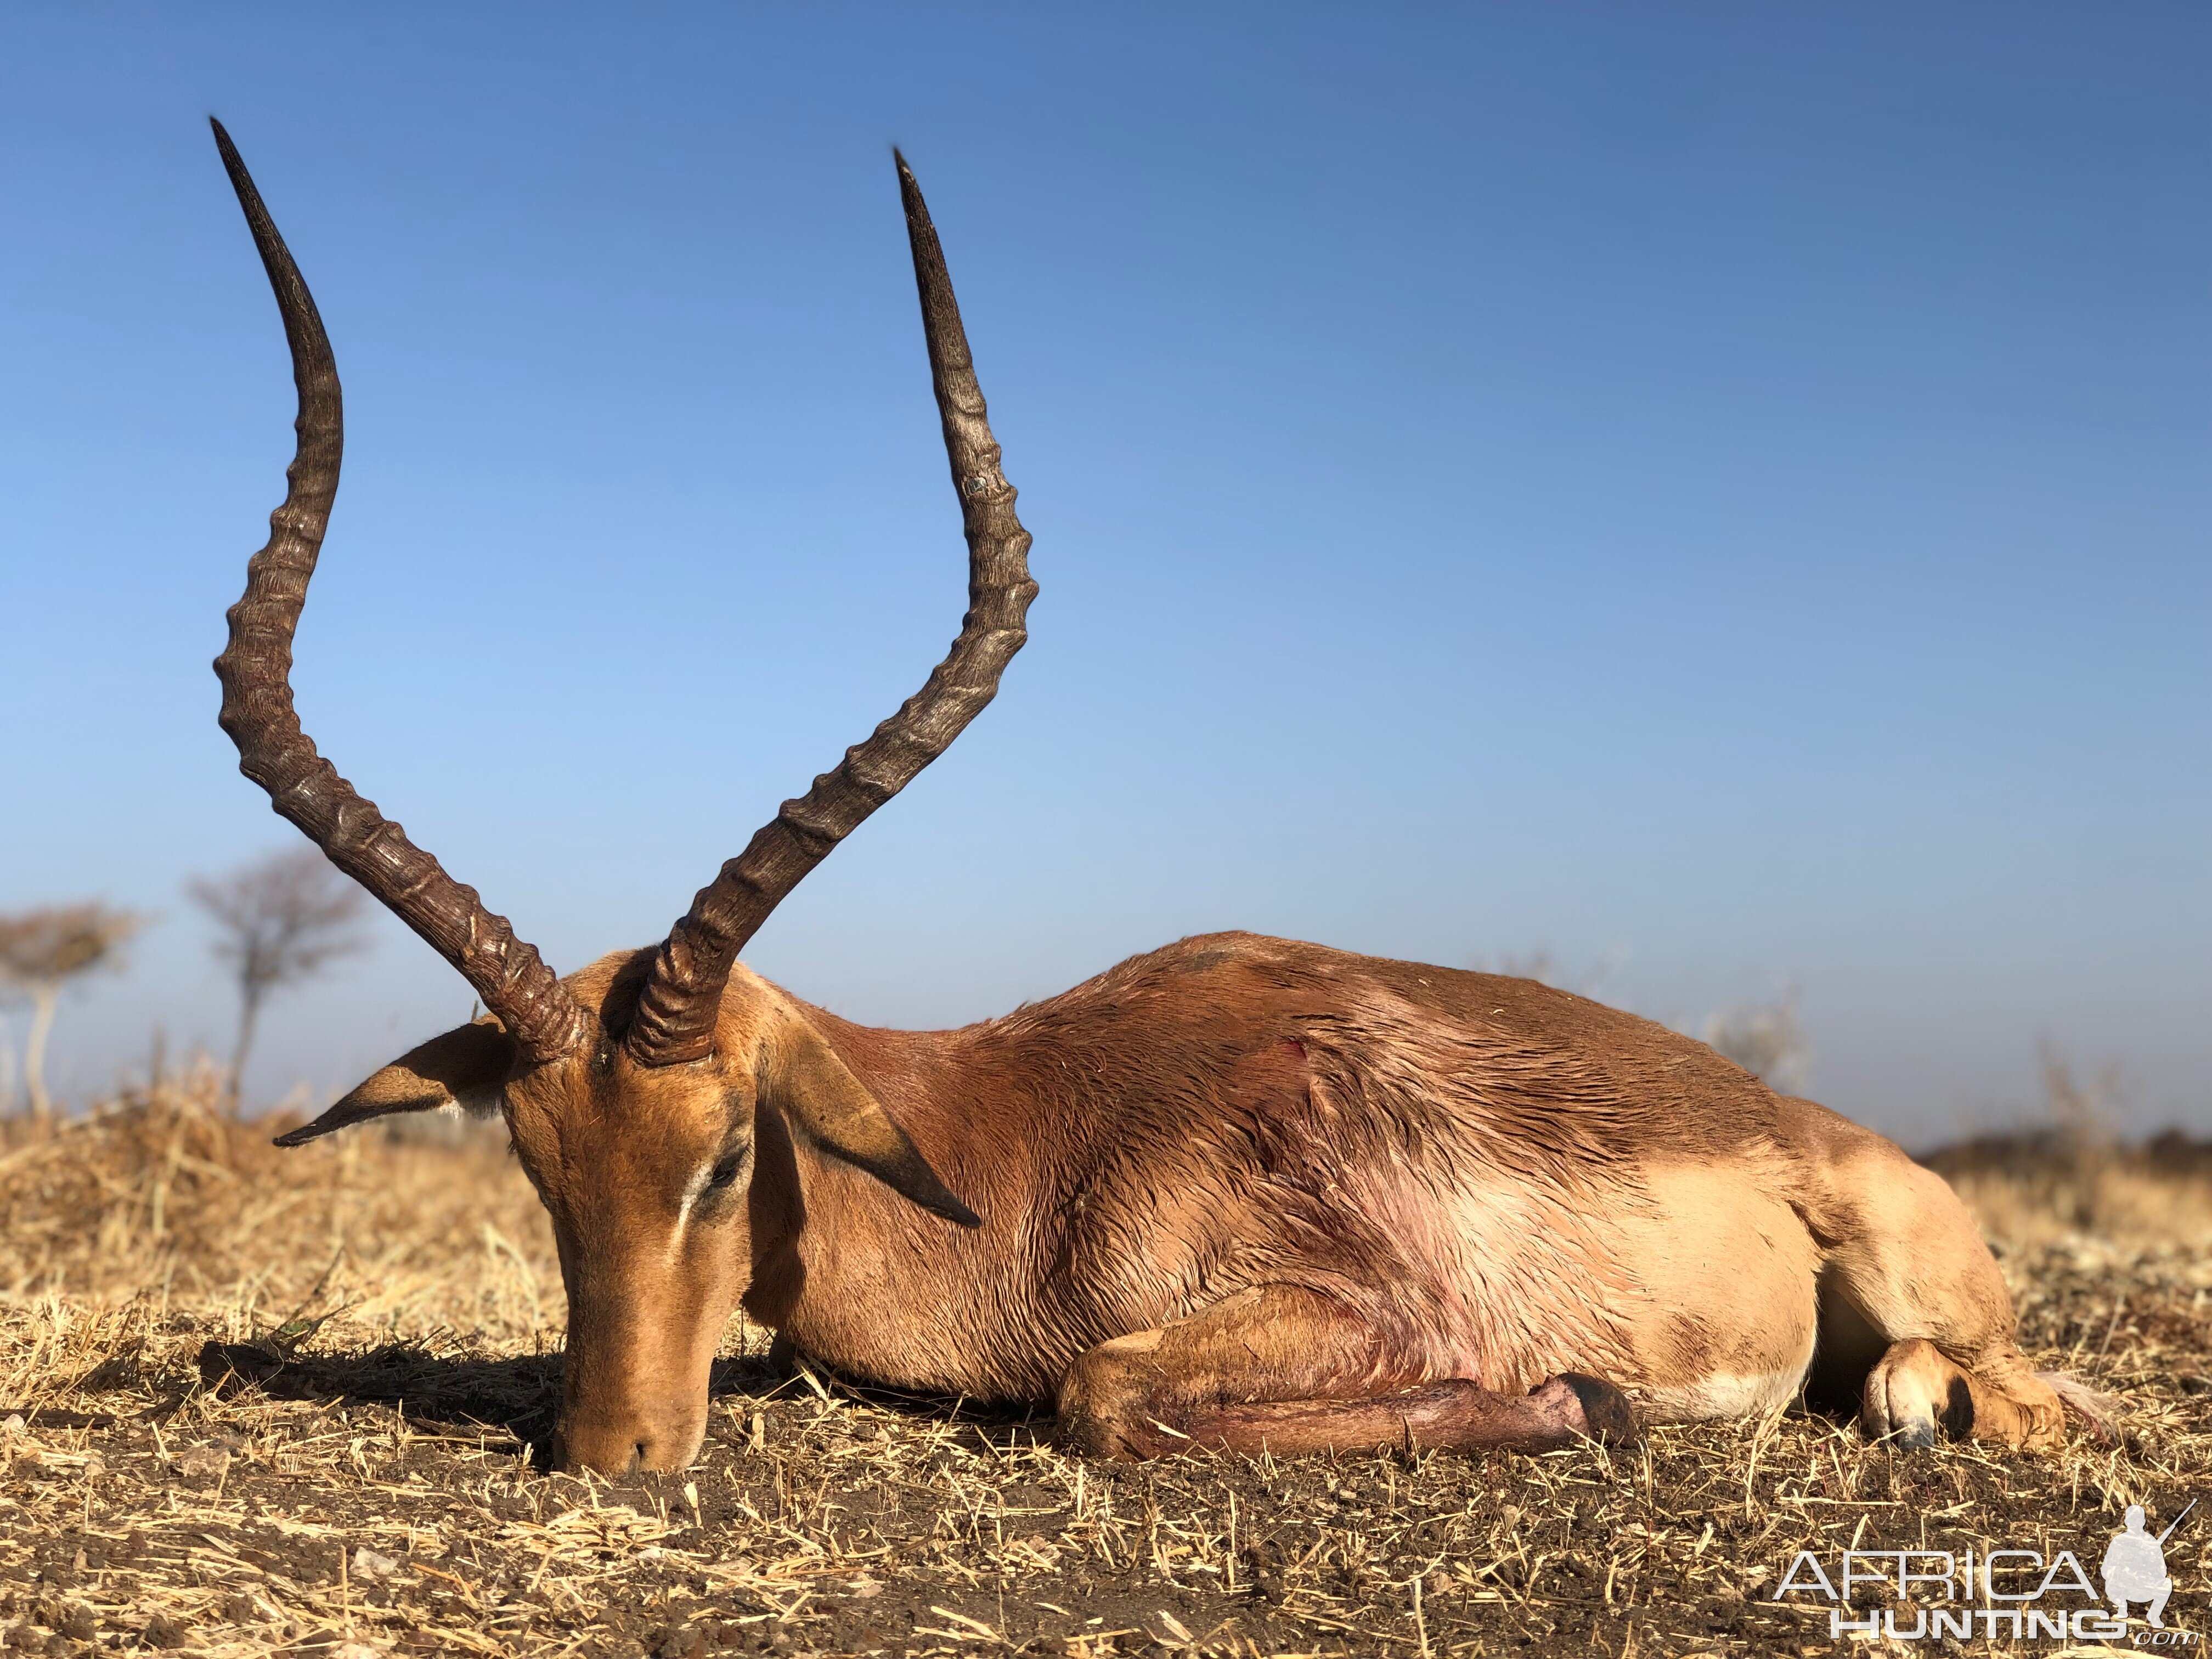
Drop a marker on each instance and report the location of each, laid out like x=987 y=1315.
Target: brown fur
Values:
x=1241 y=1172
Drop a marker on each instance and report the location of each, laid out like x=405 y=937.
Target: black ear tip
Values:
x=307 y=1132
x=934 y=1196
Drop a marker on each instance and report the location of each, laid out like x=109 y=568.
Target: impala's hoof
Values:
x=1590 y=1406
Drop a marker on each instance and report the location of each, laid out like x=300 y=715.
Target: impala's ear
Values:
x=822 y=1100
x=463 y=1067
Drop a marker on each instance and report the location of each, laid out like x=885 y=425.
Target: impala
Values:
x=1237 y=1194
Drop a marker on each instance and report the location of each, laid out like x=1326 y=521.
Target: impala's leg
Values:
x=1915 y=1390
x=1285 y=1369
x=1910 y=1279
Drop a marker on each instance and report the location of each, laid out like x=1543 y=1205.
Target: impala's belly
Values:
x=1728 y=1317
x=1691 y=1288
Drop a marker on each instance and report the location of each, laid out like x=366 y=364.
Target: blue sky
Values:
x=1714 y=491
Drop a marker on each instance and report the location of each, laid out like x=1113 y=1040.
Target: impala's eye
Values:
x=726 y=1172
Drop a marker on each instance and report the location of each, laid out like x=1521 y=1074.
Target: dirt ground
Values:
x=254 y=1403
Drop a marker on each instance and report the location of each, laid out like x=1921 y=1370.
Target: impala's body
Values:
x=1238 y=1193
x=1443 y=1153
x=1412 y=1175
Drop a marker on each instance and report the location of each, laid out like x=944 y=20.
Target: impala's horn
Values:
x=256 y=667
x=674 y=1018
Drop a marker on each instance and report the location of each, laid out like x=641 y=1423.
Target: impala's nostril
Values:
x=639 y=1455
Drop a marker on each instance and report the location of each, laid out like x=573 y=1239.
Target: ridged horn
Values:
x=676 y=1012
x=256 y=667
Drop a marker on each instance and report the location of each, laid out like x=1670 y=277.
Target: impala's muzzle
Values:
x=658 y=1437
x=627 y=1408
x=634 y=1384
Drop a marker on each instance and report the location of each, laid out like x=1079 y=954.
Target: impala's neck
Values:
x=869 y=1282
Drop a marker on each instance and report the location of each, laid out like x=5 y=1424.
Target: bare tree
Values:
x=1540 y=965
x=282 y=919
x=1765 y=1038
x=40 y=951
x=2086 y=1113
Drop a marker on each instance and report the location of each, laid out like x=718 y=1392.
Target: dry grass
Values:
x=254 y=1403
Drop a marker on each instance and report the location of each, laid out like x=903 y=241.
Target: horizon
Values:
x=1718 y=501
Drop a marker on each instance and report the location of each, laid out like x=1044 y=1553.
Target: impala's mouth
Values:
x=659 y=1442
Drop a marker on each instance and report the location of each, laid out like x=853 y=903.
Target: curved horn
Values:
x=255 y=668
x=674 y=1018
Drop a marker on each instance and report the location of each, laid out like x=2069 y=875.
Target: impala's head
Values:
x=648 y=1174
x=637 y=1090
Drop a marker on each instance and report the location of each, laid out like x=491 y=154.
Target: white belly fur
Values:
x=1726 y=1272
